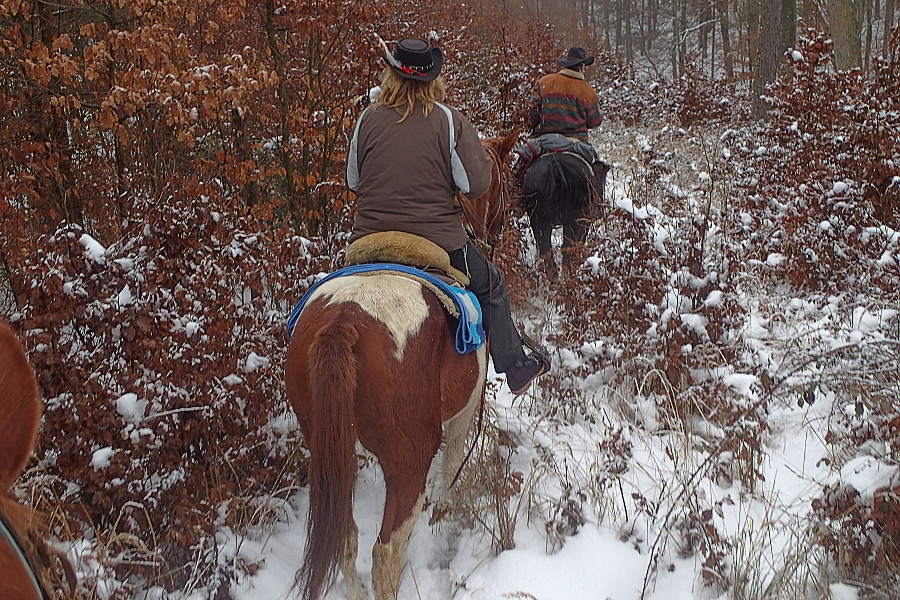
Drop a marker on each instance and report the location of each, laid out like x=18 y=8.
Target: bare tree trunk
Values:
x=682 y=43
x=619 y=25
x=751 y=35
x=604 y=16
x=676 y=35
x=768 y=56
x=712 y=41
x=652 y=22
x=843 y=20
x=643 y=28
x=629 y=40
x=725 y=29
x=788 y=26
x=867 y=57
x=888 y=26
x=703 y=37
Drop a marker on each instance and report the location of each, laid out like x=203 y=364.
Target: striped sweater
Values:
x=564 y=103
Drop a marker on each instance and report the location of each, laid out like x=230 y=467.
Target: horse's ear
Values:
x=509 y=142
x=20 y=408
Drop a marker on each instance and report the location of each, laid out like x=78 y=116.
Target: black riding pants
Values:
x=487 y=283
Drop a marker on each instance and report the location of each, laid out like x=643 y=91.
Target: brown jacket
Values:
x=406 y=174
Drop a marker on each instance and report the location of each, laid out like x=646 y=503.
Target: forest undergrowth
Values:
x=740 y=288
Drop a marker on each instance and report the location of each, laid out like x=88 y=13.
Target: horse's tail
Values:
x=559 y=177
x=20 y=408
x=332 y=444
x=568 y=180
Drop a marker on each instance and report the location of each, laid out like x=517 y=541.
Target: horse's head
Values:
x=27 y=564
x=502 y=146
x=484 y=217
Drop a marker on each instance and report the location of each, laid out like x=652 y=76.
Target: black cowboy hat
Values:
x=416 y=59
x=575 y=56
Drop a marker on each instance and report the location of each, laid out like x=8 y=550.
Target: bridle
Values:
x=503 y=194
x=12 y=540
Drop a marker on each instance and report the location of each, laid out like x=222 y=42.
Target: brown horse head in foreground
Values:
x=27 y=565
x=20 y=414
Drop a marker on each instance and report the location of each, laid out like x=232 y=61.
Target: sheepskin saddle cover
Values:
x=405 y=249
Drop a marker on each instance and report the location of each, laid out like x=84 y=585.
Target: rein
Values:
x=469 y=217
x=7 y=535
x=488 y=246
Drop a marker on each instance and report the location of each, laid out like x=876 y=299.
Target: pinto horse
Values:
x=558 y=190
x=373 y=359
x=23 y=554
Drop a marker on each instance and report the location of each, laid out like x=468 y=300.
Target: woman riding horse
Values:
x=373 y=356
x=409 y=156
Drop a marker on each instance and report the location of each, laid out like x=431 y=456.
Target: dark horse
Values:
x=27 y=564
x=373 y=359
x=558 y=189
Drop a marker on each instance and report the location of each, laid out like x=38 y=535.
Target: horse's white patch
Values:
x=394 y=300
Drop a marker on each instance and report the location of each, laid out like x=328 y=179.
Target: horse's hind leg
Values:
x=541 y=228
x=348 y=565
x=575 y=231
x=402 y=507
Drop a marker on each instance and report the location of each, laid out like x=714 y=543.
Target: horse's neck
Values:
x=20 y=559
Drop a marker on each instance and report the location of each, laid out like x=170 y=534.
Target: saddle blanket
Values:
x=469 y=331
x=532 y=148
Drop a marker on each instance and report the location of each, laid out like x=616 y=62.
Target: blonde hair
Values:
x=402 y=94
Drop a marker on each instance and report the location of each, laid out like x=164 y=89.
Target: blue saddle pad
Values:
x=469 y=331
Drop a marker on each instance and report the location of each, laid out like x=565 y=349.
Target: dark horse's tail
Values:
x=332 y=444
x=562 y=176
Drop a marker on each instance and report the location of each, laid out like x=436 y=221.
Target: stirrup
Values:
x=537 y=349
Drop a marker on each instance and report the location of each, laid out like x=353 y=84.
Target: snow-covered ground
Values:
x=604 y=493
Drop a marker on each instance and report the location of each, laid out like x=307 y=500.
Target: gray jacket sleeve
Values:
x=470 y=163
x=353 y=157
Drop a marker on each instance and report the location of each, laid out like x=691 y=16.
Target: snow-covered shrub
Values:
x=159 y=359
x=699 y=99
x=824 y=173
